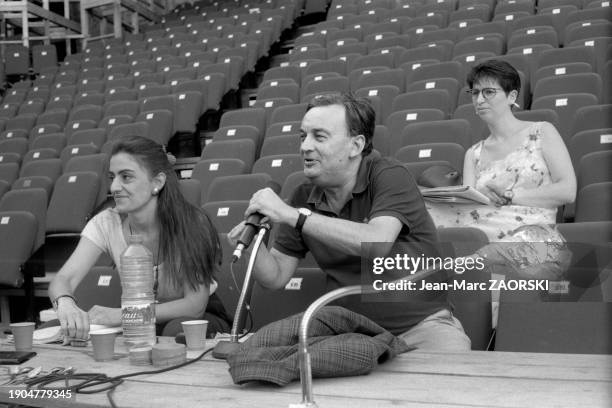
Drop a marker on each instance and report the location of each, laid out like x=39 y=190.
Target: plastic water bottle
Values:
x=137 y=297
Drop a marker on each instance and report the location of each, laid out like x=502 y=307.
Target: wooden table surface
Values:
x=414 y=379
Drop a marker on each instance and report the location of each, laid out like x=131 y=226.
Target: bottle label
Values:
x=135 y=315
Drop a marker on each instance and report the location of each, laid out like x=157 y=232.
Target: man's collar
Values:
x=316 y=195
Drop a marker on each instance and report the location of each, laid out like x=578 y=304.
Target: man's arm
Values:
x=272 y=269
x=342 y=235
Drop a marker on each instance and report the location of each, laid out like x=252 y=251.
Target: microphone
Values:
x=250 y=230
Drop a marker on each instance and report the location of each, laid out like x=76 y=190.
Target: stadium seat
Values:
x=305 y=286
x=450 y=152
x=65 y=214
x=242 y=149
x=205 y=171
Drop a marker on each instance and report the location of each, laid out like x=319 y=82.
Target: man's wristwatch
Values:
x=56 y=300
x=303 y=214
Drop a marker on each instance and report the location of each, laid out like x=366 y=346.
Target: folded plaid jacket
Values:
x=341 y=343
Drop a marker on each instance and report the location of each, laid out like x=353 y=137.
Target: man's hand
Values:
x=73 y=321
x=105 y=315
x=269 y=204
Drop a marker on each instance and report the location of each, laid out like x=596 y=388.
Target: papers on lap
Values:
x=454 y=194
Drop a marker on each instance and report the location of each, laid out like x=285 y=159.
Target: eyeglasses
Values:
x=487 y=93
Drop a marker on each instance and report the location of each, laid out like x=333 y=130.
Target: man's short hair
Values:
x=359 y=113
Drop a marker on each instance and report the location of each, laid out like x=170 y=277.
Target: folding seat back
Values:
x=55 y=141
x=255 y=117
x=97 y=163
x=9 y=172
x=116 y=132
x=15 y=96
x=306 y=285
x=89 y=112
x=573 y=83
x=565 y=105
x=381 y=97
x=76 y=150
x=289 y=71
x=394 y=77
x=238 y=187
x=205 y=171
x=96 y=137
x=532 y=37
x=54 y=117
x=10 y=158
x=8 y=110
x=16 y=60
x=323 y=86
x=589 y=141
x=450 y=85
x=450 y=152
x=491 y=44
x=560 y=70
x=289 y=90
x=25 y=122
x=225 y=215
x=238 y=132
x=35 y=107
x=100 y=286
x=242 y=149
x=17 y=145
x=188 y=109
x=17 y=239
x=65 y=214
x=160 y=123
x=593 y=117
x=567 y=55
x=478 y=127
x=428 y=99
x=446 y=69
x=32 y=200
x=582 y=31
x=278 y=167
x=446 y=131
x=288 y=113
x=595 y=167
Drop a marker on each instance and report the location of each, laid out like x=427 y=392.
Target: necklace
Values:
x=155 y=266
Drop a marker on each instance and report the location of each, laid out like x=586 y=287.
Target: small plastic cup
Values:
x=22 y=334
x=103 y=342
x=195 y=333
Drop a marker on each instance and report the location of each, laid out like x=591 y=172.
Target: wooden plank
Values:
x=141 y=10
x=54 y=18
x=505 y=364
x=415 y=379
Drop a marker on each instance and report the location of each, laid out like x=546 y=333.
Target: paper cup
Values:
x=22 y=334
x=195 y=333
x=103 y=342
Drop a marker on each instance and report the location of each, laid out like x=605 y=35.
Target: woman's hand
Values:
x=496 y=196
x=105 y=315
x=73 y=321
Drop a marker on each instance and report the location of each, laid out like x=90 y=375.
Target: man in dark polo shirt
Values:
x=354 y=196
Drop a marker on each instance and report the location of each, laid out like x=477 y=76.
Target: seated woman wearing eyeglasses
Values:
x=525 y=170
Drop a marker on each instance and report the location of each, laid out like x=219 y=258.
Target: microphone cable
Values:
x=247 y=305
x=102 y=381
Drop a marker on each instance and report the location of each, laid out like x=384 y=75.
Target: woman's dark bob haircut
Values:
x=502 y=72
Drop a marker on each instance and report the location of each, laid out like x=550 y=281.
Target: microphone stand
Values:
x=304 y=355
x=225 y=348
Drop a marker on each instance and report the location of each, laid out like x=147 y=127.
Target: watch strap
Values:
x=56 y=300
x=300 y=221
